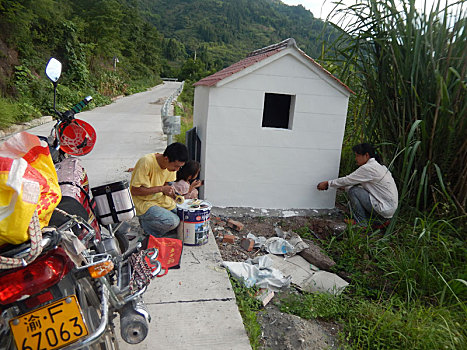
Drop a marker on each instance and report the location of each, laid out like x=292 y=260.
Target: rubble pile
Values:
x=273 y=259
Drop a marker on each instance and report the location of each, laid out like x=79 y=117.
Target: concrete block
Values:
x=316 y=256
x=264 y=295
x=228 y=238
x=326 y=282
x=236 y=225
x=247 y=244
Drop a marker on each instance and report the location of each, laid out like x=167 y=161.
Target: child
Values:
x=186 y=183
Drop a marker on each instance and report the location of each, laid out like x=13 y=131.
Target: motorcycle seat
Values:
x=49 y=237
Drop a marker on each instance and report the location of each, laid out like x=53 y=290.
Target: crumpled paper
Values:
x=73 y=247
x=258 y=272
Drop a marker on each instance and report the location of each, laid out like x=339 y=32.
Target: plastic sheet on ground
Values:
x=258 y=272
x=287 y=243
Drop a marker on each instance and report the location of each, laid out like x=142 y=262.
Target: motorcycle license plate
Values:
x=50 y=327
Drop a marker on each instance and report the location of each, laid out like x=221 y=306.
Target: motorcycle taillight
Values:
x=41 y=274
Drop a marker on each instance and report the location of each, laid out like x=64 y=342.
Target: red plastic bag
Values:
x=170 y=252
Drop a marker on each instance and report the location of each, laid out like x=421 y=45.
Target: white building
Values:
x=271 y=127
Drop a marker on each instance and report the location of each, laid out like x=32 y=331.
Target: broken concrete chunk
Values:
x=247 y=244
x=316 y=256
x=236 y=225
x=228 y=238
x=264 y=295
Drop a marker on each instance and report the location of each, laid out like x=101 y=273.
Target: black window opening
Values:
x=278 y=111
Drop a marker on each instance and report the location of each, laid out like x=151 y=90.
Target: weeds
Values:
x=9 y=111
x=248 y=305
x=305 y=232
x=185 y=110
x=407 y=290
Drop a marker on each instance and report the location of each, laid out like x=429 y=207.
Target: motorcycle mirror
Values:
x=53 y=69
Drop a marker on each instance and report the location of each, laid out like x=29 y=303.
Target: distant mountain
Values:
x=150 y=38
x=228 y=29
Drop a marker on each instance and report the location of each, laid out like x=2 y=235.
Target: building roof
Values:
x=257 y=56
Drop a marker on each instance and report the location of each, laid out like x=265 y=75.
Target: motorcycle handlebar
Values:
x=76 y=108
x=80 y=105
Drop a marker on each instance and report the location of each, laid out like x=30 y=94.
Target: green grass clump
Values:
x=248 y=305
x=185 y=110
x=384 y=324
x=9 y=112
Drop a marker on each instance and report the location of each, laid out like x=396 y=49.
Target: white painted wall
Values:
x=244 y=164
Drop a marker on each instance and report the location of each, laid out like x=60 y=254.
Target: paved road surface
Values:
x=193 y=307
x=126 y=129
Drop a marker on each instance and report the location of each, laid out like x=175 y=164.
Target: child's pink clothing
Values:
x=183 y=187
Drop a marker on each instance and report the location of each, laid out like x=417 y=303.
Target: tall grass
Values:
x=409 y=70
x=385 y=324
x=407 y=290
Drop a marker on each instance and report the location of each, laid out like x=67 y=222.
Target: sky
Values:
x=321 y=8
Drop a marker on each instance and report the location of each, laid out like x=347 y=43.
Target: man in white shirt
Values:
x=372 y=191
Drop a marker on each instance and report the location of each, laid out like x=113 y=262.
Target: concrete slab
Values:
x=193 y=307
x=307 y=277
x=199 y=278
x=213 y=325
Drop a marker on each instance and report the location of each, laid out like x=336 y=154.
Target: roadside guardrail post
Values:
x=171 y=124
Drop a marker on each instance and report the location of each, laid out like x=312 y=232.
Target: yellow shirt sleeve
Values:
x=148 y=173
x=141 y=176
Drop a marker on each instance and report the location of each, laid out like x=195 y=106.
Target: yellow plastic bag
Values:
x=28 y=181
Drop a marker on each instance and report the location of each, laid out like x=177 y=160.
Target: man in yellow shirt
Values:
x=151 y=192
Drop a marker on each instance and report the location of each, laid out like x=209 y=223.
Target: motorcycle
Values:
x=85 y=273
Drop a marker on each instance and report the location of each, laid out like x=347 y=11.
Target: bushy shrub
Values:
x=9 y=111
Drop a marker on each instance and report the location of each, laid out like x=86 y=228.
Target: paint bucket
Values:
x=194 y=222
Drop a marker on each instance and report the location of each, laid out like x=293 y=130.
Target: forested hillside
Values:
x=228 y=29
x=113 y=47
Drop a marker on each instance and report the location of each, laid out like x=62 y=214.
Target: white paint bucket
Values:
x=194 y=222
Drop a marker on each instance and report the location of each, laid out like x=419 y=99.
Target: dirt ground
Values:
x=282 y=331
x=264 y=226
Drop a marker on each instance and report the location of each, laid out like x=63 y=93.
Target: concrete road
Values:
x=126 y=129
x=193 y=307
